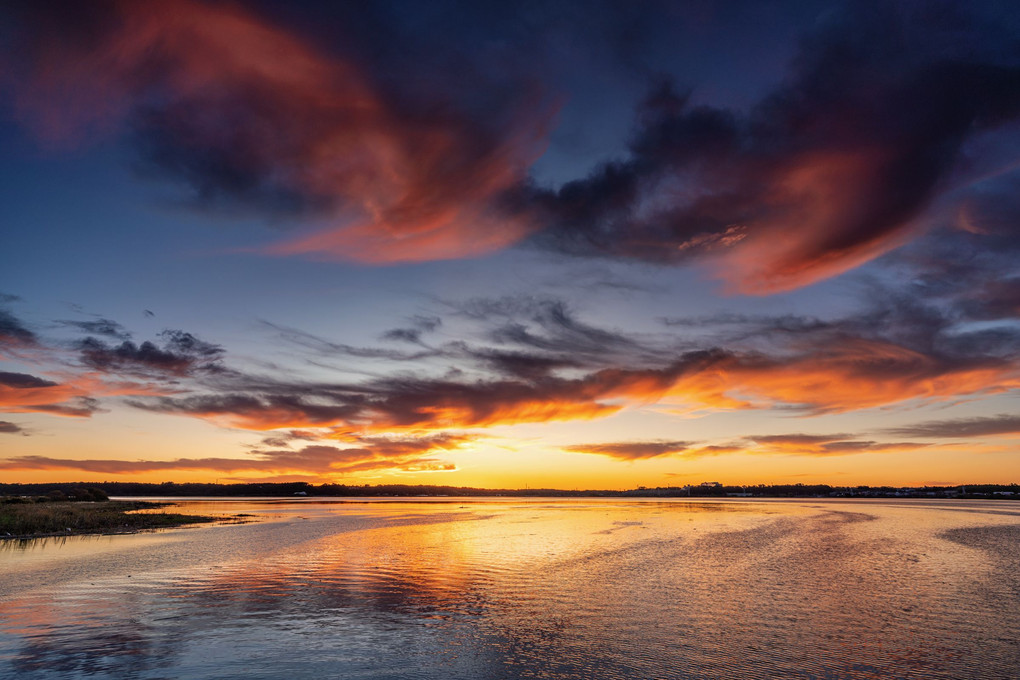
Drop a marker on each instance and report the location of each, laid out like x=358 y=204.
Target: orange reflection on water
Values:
x=519 y=588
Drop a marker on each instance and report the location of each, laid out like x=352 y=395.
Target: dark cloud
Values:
x=395 y=446
x=543 y=335
x=76 y=407
x=25 y=393
x=260 y=411
x=327 y=348
x=7 y=427
x=370 y=454
x=543 y=323
x=426 y=323
x=348 y=112
x=542 y=362
x=524 y=365
x=181 y=354
x=833 y=168
x=410 y=402
x=998 y=299
x=109 y=370
x=974 y=276
x=538 y=360
x=13 y=333
x=104 y=327
x=961 y=427
x=903 y=330
x=420 y=326
x=632 y=450
x=248 y=115
x=281 y=439
x=23 y=381
x=412 y=335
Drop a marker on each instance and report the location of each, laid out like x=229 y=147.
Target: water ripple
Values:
x=530 y=590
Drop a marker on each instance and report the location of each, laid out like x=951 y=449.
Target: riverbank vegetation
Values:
x=22 y=517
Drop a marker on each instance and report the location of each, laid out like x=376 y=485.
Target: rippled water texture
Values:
x=512 y=588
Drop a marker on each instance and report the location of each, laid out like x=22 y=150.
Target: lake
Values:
x=527 y=588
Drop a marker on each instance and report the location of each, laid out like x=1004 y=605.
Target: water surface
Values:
x=527 y=588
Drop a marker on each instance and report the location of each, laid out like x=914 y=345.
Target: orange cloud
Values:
x=245 y=110
x=378 y=453
x=75 y=396
x=631 y=450
x=495 y=405
x=824 y=445
x=853 y=374
x=784 y=444
x=847 y=375
x=812 y=227
x=714 y=450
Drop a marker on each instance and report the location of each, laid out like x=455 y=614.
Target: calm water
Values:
x=512 y=588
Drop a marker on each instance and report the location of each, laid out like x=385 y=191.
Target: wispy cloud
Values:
x=637 y=450
x=322 y=460
x=13 y=334
x=809 y=445
x=953 y=428
x=7 y=427
x=420 y=325
x=824 y=445
x=105 y=327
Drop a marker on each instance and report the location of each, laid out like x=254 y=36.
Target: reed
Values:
x=21 y=518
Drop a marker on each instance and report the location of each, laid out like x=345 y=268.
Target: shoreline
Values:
x=32 y=520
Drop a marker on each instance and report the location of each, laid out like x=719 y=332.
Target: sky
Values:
x=591 y=245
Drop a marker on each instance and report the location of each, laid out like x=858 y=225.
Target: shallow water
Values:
x=527 y=588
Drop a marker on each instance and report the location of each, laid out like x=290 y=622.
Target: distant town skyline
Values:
x=560 y=245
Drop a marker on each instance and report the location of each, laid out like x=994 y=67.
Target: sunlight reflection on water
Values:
x=514 y=588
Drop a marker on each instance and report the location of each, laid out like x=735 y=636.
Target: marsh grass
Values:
x=20 y=519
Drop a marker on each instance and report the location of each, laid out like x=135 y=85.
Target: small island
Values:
x=87 y=511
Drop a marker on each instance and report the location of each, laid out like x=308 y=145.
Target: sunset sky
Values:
x=555 y=244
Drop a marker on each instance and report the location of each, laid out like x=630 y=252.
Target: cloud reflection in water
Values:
x=521 y=589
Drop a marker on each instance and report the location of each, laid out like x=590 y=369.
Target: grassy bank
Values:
x=27 y=519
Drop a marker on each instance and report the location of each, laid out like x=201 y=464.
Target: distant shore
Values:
x=697 y=490
x=25 y=518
